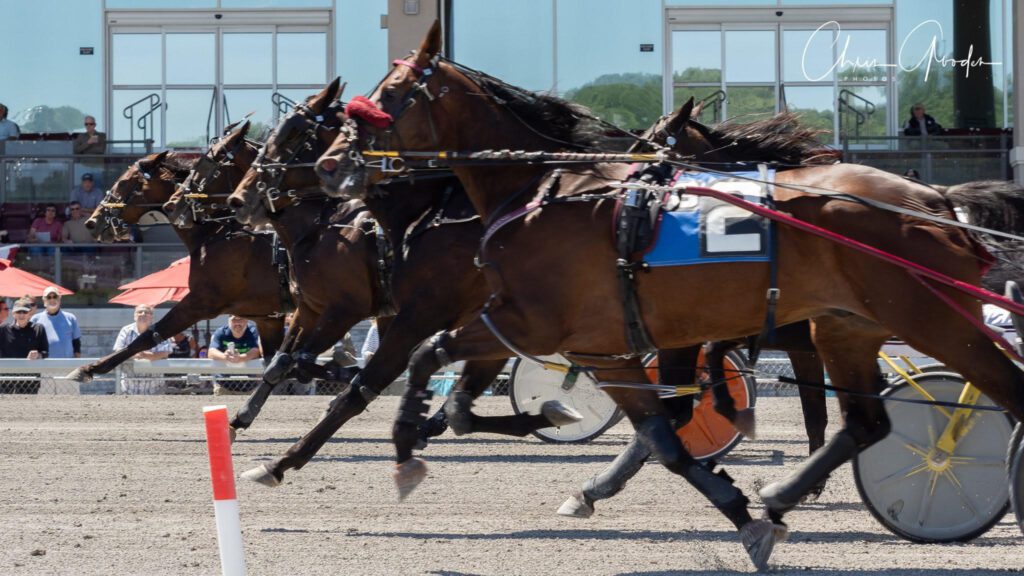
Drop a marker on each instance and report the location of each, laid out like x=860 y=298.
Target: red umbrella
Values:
x=169 y=284
x=15 y=282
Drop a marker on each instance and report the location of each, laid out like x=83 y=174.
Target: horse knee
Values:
x=428 y=358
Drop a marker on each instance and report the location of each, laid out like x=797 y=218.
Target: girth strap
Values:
x=385 y=268
x=767 y=335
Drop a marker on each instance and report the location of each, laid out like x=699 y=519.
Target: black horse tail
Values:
x=995 y=204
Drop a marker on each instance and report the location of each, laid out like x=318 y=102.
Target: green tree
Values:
x=631 y=101
x=48 y=119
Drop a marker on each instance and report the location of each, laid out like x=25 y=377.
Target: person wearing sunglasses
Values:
x=90 y=141
x=74 y=230
x=61 y=327
x=20 y=338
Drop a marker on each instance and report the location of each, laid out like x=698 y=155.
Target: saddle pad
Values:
x=703 y=230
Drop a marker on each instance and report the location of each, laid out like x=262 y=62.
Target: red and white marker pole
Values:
x=225 y=504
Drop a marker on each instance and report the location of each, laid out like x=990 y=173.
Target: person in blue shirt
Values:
x=61 y=327
x=236 y=342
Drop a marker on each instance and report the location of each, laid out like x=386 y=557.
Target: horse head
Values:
x=283 y=172
x=204 y=192
x=142 y=188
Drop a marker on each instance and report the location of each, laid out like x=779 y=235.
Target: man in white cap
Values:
x=61 y=327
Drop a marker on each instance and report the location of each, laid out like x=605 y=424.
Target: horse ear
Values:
x=431 y=45
x=678 y=120
x=243 y=129
x=330 y=93
x=155 y=160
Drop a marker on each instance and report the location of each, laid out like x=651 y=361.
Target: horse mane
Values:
x=565 y=123
x=995 y=204
x=177 y=166
x=780 y=138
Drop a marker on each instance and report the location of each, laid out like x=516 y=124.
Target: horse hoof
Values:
x=559 y=414
x=746 y=423
x=758 y=538
x=232 y=433
x=577 y=506
x=79 y=375
x=408 y=476
x=262 y=475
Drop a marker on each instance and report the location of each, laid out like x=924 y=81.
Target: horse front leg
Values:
x=273 y=328
x=655 y=432
x=182 y=315
x=676 y=367
x=386 y=365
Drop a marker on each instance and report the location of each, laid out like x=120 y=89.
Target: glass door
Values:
x=181 y=86
x=829 y=71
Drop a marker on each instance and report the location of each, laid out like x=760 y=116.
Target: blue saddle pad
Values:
x=703 y=230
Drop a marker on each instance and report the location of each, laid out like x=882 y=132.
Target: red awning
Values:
x=15 y=282
x=167 y=285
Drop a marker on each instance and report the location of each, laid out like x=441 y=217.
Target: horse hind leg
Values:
x=807 y=367
x=743 y=420
x=849 y=348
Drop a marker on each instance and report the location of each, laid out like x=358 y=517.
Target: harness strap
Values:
x=767 y=335
x=385 y=258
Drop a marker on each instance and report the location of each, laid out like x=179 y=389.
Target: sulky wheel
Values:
x=530 y=386
x=710 y=435
x=917 y=492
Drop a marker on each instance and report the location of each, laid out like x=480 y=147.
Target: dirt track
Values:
x=119 y=485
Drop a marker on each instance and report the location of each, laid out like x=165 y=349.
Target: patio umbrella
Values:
x=15 y=282
x=169 y=284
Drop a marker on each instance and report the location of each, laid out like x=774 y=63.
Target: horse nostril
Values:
x=327 y=165
x=168 y=207
x=235 y=202
x=90 y=224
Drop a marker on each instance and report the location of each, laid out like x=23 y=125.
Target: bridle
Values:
x=271 y=172
x=419 y=88
x=207 y=170
x=113 y=203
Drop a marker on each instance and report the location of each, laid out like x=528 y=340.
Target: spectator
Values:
x=74 y=230
x=236 y=342
x=370 y=344
x=183 y=346
x=46 y=228
x=127 y=335
x=8 y=129
x=90 y=141
x=86 y=193
x=5 y=311
x=61 y=327
x=21 y=339
x=920 y=123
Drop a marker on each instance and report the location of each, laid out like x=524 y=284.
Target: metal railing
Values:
x=846 y=107
x=938 y=159
x=143 y=118
x=177 y=376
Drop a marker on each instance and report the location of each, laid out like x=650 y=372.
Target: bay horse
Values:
x=230 y=271
x=430 y=281
x=854 y=300
x=782 y=142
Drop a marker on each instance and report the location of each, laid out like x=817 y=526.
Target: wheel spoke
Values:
x=960 y=492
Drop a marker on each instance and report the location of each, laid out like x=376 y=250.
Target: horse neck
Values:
x=295 y=222
x=403 y=203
